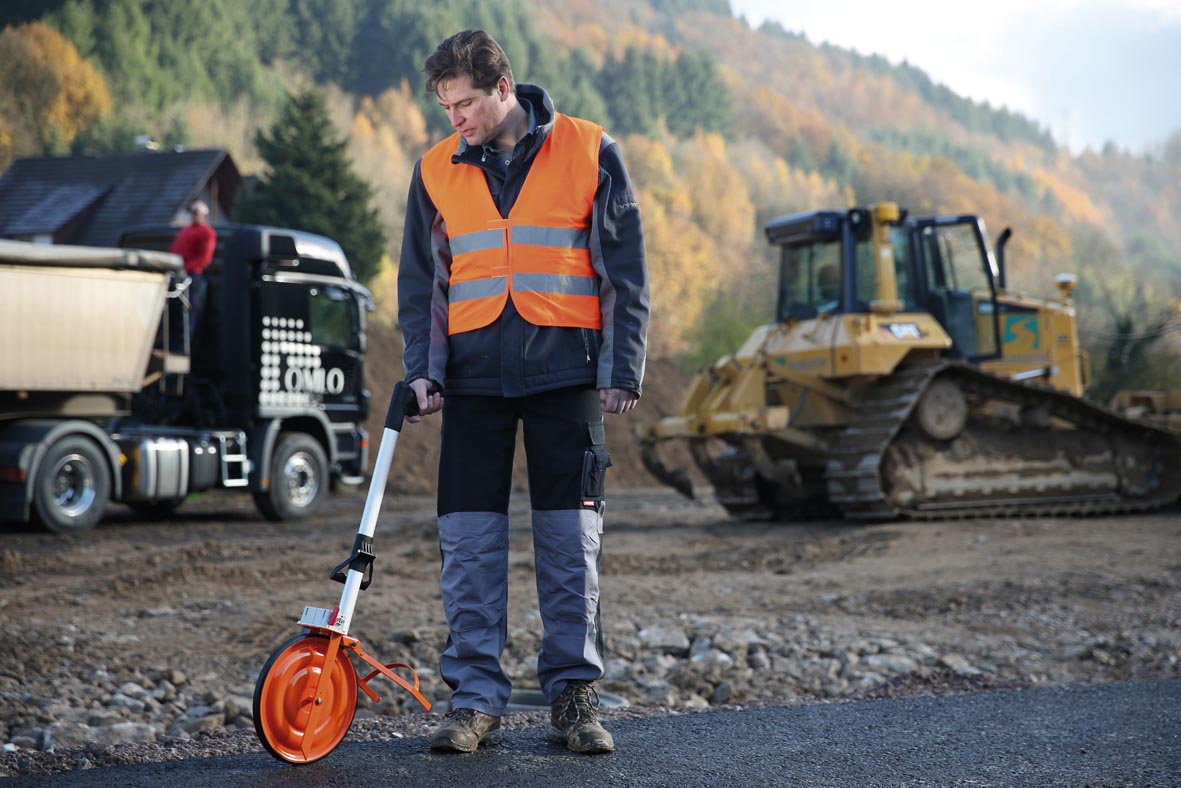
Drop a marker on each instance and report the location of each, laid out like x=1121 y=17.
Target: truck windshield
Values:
x=810 y=280
x=335 y=318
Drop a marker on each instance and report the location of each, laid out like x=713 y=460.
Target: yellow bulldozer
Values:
x=902 y=378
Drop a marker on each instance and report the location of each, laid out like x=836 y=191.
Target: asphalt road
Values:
x=1096 y=736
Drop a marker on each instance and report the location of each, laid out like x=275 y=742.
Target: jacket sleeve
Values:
x=423 y=273
x=617 y=252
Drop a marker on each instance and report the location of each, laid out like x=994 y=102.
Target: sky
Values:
x=1091 y=71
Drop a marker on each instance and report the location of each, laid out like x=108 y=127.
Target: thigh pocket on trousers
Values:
x=595 y=463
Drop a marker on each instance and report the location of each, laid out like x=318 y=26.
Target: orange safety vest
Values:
x=540 y=254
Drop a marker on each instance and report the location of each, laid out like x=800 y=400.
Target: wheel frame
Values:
x=295 y=454
x=290 y=671
x=73 y=460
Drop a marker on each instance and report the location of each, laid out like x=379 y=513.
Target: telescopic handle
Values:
x=403 y=403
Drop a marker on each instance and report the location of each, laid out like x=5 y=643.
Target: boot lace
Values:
x=576 y=704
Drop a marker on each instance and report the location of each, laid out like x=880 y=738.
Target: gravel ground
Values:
x=141 y=641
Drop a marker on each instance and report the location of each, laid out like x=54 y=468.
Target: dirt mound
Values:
x=417 y=463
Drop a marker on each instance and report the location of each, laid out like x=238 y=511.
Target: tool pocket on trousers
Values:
x=595 y=463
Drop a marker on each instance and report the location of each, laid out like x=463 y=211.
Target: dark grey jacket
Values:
x=511 y=357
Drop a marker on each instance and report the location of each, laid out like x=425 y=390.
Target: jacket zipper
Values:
x=586 y=345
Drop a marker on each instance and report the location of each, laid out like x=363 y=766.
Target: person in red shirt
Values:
x=195 y=244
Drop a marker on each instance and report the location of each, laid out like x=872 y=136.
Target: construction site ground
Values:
x=141 y=641
x=700 y=611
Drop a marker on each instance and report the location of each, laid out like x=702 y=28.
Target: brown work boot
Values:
x=463 y=730
x=573 y=718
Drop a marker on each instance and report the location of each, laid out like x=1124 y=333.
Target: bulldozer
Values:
x=901 y=378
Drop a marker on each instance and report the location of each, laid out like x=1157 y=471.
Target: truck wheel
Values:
x=72 y=486
x=299 y=478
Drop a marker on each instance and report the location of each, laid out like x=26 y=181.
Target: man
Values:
x=195 y=244
x=522 y=294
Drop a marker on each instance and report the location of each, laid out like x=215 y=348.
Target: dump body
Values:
x=79 y=318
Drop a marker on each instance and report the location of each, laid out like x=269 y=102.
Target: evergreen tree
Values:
x=324 y=34
x=696 y=96
x=632 y=87
x=309 y=184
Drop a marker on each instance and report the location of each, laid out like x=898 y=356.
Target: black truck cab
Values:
x=278 y=355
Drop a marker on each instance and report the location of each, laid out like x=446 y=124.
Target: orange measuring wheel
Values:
x=305 y=698
x=306 y=693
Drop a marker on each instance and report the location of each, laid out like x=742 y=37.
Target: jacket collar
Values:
x=540 y=106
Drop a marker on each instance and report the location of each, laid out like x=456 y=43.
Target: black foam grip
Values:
x=403 y=403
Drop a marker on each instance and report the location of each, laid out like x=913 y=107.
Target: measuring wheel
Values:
x=306 y=693
x=305 y=698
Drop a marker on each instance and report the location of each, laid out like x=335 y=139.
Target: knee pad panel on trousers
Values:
x=566 y=548
x=474 y=577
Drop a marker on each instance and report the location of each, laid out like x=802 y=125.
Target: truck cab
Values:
x=279 y=354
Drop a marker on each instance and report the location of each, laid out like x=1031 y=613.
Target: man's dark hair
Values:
x=471 y=53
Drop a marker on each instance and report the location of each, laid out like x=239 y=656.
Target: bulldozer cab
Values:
x=956 y=276
x=831 y=262
x=827 y=264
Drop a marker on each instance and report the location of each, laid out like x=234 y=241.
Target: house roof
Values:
x=101 y=195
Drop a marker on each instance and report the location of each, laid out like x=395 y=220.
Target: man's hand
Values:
x=617 y=400
x=429 y=398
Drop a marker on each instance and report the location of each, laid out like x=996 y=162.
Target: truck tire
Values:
x=72 y=486
x=299 y=478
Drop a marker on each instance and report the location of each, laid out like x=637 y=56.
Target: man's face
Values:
x=475 y=114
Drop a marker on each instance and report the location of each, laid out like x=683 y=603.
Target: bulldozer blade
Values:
x=677 y=478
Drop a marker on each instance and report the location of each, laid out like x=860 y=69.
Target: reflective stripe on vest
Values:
x=540 y=254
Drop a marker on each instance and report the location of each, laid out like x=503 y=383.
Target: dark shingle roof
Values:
x=113 y=191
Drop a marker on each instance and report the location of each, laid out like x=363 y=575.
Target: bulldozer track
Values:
x=855 y=477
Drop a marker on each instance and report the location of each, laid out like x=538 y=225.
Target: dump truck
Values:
x=104 y=396
x=902 y=378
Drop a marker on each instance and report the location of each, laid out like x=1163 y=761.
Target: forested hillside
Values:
x=722 y=125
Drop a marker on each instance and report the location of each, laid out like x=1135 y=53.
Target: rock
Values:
x=165 y=691
x=98 y=717
x=659 y=665
x=659 y=693
x=124 y=733
x=666 y=639
x=121 y=701
x=896 y=664
x=960 y=665
x=617 y=669
x=713 y=659
x=627 y=646
x=242 y=706
x=699 y=647
x=721 y=693
x=758 y=660
x=1071 y=652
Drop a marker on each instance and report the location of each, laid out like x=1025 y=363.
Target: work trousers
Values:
x=198 y=289
x=564 y=437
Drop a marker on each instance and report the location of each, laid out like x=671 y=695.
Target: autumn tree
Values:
x=310 y=185
x=49 y=93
